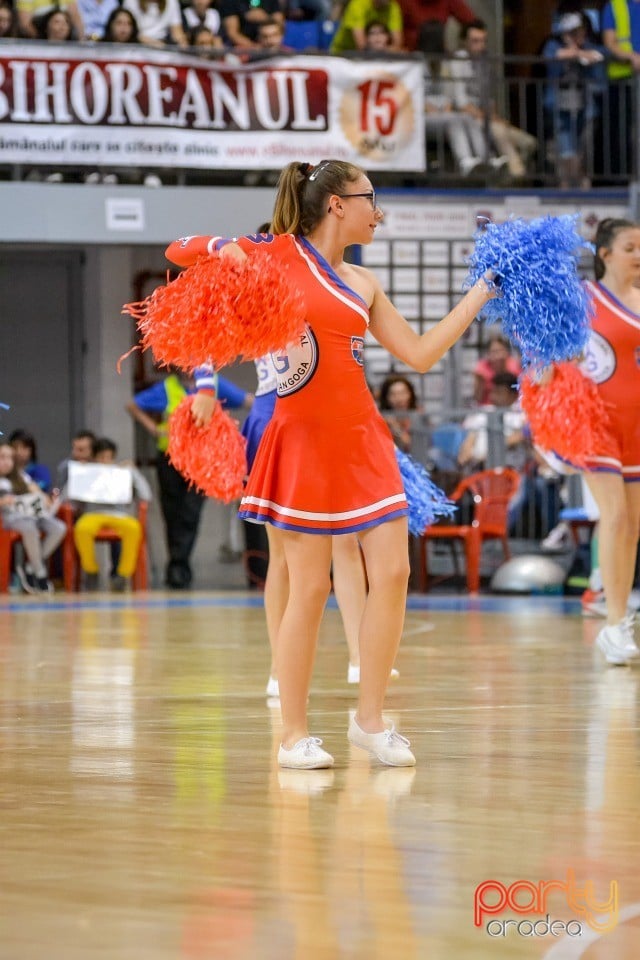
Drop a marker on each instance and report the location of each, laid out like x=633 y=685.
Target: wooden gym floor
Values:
x=142 y=816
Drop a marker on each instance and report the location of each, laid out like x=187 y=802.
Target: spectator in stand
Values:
x=351 y=33
x=573 y=96
x=159 y=22
x=464 y=134
x=271 y=35
x=377 y=38
x=95 y=16
x=201 y=13
x=9 y=27
x=28 y=511
x=121 y=27
x=57 y=26
x=120 y=517
x=620 y=25
x=26 y=458
x=203 y=41
x=241 y=20
x=498 y=359
x=419 y=13
x=473 y=95
x=398 y=395
x=83 y=447
x=32 y=13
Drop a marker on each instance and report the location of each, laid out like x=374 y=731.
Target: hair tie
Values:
x=316 y=171
x=305 y=169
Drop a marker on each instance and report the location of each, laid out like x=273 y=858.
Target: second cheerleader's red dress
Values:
x=326 y=463
x=612 y=361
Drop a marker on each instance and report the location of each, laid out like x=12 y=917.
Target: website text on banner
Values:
x=167 y=109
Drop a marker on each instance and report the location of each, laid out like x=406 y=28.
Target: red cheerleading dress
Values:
x=612 y=361
x=326 y=463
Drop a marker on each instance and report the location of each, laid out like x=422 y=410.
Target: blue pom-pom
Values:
x=426 y=501
x=543 y=308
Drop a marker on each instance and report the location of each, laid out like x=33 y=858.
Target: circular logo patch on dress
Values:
x=599 y=361
x=297 y=364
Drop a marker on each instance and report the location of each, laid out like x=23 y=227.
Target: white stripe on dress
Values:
x=312 y=515
x=325 y=283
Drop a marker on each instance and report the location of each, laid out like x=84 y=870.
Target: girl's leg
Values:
x=276 y=591
x=386 y=556
x=308 y=559
x=350 y=588
x=28 y=530
x=618 y=541
x=54 y=533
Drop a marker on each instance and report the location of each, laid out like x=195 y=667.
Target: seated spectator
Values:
x=473 y=95
x=464 y=134
x=397 y=394
x=118 y=516
x=203 y=41
x=121 y=27
x=498 y=359
x=418 y=13
x=32 y=13
x=95 y=16
x=573 y=96
x=26 y=458
x=201 y=13
x=82 y=451
x=57 y=26
x=377 y=37
x=358 y=14
x=271 y=35
x=25 y=508
x=241 y=20
x=474 y=450
x=9 y=27
x=159 y=22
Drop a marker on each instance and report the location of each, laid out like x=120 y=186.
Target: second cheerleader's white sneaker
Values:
x=617 y=643
x=306 y=754
x=388 y=746
x=353 y=673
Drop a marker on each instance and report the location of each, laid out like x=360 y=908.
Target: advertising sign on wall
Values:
x=153 y=108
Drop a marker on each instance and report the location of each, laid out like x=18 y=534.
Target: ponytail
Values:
x=303 y=191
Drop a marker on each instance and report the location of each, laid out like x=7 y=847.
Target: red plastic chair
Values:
x=70 y=559
x=491 y=491
x=7 y=540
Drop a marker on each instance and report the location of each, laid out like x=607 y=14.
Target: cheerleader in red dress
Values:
x=326 y=463
x=612 y=361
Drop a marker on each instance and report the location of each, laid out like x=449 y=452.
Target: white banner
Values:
x=133 y=106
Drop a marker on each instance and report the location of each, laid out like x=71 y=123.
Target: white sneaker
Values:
x=273 y=688
x=558 y=538
x=388 y=746
x=306 y=754
x=617 y=643
x=353 y=673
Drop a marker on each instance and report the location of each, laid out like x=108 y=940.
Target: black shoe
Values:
x=44 y=585
x=91 y=582
x=119 y=584
x=178 y=576
x=27 y=580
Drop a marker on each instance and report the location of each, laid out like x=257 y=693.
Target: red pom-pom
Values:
x=213 y=457
x=566 y=415
x=220 y=309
